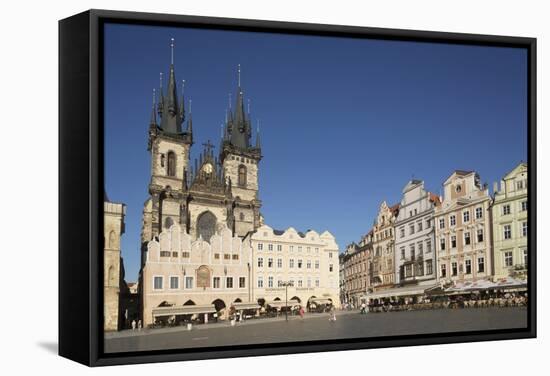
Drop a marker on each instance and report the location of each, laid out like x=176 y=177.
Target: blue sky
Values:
x=345 y=123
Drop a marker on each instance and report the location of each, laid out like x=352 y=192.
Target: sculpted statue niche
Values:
x=206 y=225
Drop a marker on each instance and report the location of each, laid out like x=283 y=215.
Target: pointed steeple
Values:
x=171 y=117
x=240 y=131
x=182 y=102
x=153 y=121
x=190 y=121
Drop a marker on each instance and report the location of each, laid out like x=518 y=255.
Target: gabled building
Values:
x=463 y=229
x=415 y=257
x=510 y=231
x=381 y=268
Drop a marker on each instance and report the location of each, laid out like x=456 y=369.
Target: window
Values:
x=270 y=281
x=299 y=283
x=186 y=255
x=442 y=223
x=291 y=263
x=453 y=241
x=309 y=282
x=402 y=253
x=260 y=247
x=452 y=220
x=523 y=205
x=174 y=283
x=429 y=267
x=216 y=282
x=241 y=216
x=279 y=247
x=519 y=185
x=411 y=229
x=260 y=262
x=479 y=213
x=317 y=283
x=420 y=246
x=442 y=243
x=408 y=270
x=330 y=268
x=467 y=238
x=412 y=251
x=402 y=232
x=524 y=229
x=468 y=266
x=299 y=248
x=242 y=175
x=270 y=247
x=420 y=269
x=480 y=235
x=454 y=269
x=308 y=249
x=157 y=283
x=235 y=257
x=316 y=264
x=330 y=255
x=428 y=223
x=188 y=282
x=428 y=246
x=171 y=169
x=280 y=263
x=419 y=225
x=226 y=256
x=525 y=257
x=260 y=282
x=242 y=282
x=466 y=216
x=507 y=232
x=481 y=265
x=270 y=262
x=443 y=270
x=291 y=248
x=299 y=264
x=508 y=259
x=317 y=250
x=506 y=209
x=308 y=264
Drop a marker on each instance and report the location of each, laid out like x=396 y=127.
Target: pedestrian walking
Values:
x=302 y=312
x=139 y=325
x=133 y=324
x=332 y=314
x=363 y=307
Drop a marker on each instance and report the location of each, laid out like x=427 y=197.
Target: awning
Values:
x=242 y=306
x=400 y=291
x=321 y=301
x=281 y=303
x=183 y=310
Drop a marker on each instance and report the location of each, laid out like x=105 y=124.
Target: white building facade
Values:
x=308 y=262
x=415 y=260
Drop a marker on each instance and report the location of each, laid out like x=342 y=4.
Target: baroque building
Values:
x=113 y=268
x=463 y=229
x=382 y=258
x=510 y=231
x=415 y=261
x=307 y=262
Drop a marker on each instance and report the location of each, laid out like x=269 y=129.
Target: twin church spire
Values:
x=236 y=132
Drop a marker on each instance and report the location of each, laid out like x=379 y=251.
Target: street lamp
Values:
x=285 y=284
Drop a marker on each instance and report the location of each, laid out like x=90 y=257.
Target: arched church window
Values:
x=111 y=276
x=241 y=216
x=112 y=240
x=242 y=175
x=206 y=225
x=171 y=170
x=168 y=222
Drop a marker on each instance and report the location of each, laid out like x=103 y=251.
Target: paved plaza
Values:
x=318 y=327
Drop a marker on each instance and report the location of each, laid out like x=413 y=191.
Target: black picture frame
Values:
x=81 y=182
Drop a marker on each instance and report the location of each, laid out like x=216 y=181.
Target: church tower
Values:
x=169 y=145
x=240 y=162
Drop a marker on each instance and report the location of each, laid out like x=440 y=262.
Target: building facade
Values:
x=510 y=231
x=307 y=261
x=207 y=277
x=463 y=229
x=382 y=258
x=113 y=268
x=415 y=261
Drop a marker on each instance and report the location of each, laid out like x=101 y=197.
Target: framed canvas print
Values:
x=239 y=187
